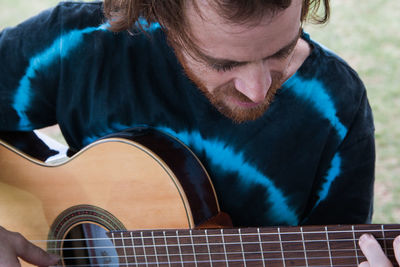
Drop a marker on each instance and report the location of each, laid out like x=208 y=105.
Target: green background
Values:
x=366 y=34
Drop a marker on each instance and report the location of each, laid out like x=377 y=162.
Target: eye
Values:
x=283 y=54
x=222 y=67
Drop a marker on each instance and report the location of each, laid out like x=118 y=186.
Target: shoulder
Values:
x=78 y=14
x=336 y=77
x=327 y=84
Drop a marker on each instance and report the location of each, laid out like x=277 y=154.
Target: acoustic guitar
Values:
x=142 y=198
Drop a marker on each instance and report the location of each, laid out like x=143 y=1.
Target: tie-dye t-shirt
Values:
x=308 y=160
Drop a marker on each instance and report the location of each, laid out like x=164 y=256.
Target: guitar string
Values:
x=205 y=254
x=226 y=235
x=212 y=253
x=266 y=260
x=234 y=234
x=140 y=240
x=191 y=262
x=247 y=254
x=172 y=246
x=237 y=253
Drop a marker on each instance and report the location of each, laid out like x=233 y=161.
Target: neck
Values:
x=301 y=52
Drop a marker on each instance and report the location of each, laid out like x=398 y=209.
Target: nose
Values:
x=253 y=81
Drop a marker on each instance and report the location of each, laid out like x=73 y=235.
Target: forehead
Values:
x=237 y=41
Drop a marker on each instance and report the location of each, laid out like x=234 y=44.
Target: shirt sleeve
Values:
x=29 y=72
x=347 y=194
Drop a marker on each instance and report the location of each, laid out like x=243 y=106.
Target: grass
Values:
x=365 y=34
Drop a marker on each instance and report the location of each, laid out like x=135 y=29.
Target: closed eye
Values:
x=222 y=67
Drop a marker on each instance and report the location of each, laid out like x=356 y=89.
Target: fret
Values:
x=329 y=247
x=316 y=246
x=208 y=248
x=166 y=249
x=271 y=246
x=144 y=249
x=126 y=253
x=375 y=230
x=186 y=248
x=384 y=240
x=251 y=247
x=200 y=247
x=194 y=251
x=223 y=244
x=117 y=244
x=136 y=247
x=280 y=242
x=293 y=246
x=389 y=233
x=261 y=249
x=155 y=248
x=304 y=246
x=233 y=247
x=173 y=248
x=179 y=247
x=124 y=247
x=216 y=245
x=355 y=244
x=133 y=248
x=241 y=245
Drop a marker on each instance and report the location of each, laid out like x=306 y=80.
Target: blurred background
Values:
x=367 y=35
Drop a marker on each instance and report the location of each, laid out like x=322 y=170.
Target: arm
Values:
x=344 y=193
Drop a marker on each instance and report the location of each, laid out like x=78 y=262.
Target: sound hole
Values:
x=87 y=244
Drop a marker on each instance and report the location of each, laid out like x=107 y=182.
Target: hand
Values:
x=374 y=253
x=14 y=245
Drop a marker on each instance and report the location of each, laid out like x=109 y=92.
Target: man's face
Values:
x=241 y=66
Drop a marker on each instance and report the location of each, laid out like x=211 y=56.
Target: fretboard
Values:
x=277 y=246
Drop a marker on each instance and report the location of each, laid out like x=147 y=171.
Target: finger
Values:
x=31 y=253
x=373 y=251
x=364 y=264
x=396 y=247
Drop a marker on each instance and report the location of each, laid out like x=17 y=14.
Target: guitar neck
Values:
x=277 y=246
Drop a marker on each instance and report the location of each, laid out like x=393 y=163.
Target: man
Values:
x=282 y=125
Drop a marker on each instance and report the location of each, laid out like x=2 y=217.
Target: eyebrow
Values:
x=232 y=63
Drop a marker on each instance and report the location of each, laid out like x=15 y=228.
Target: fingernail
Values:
x=365 y=238
x=397 y=241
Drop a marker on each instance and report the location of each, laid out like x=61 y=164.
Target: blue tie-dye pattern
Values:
x=146 y=26
x=224 y=157
x=314 y=91
x=60 y=48
x=333 y=172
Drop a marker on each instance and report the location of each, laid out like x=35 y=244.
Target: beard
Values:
x=223 y=97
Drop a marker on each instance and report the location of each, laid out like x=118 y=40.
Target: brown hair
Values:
x=123 y=14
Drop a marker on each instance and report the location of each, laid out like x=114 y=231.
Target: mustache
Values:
x=230 y=89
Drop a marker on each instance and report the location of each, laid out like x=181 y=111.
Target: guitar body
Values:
x=127 y=181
